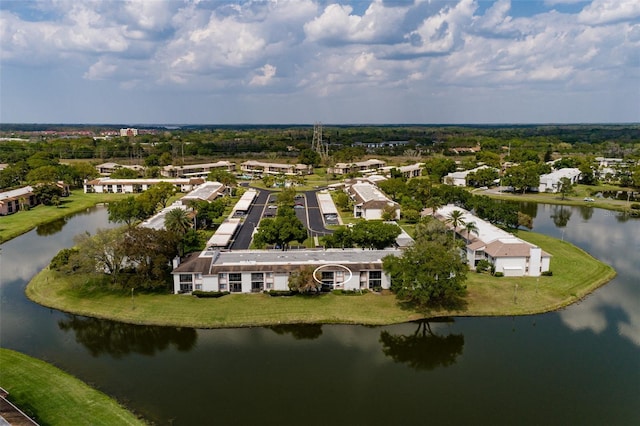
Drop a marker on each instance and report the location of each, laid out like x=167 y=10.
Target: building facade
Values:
x=16 y=199
x=134 y=186
x=252 y=271
x=550 y=182
x=505 y=252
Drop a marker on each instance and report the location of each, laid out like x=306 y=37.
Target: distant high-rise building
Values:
x=128 y=132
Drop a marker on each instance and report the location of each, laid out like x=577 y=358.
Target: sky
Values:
x=305 y=61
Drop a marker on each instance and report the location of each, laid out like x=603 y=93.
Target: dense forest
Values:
x=21 y=141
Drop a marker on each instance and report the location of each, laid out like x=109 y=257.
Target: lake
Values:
x=580 y=365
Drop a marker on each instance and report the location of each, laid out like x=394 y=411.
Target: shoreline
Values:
x=575 y=275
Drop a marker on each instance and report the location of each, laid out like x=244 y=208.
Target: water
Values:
x=577 y=366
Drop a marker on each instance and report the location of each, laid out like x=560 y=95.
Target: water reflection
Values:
x=51 y=228
x=298 y=331
x=422 y=350
x=119 y=339
x=561 y=216
x=586 y=212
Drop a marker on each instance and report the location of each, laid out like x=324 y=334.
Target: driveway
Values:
x=315 y=223
x=251 y=220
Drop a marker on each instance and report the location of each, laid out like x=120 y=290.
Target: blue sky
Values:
x=281 y=61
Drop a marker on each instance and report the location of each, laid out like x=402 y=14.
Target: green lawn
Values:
x=575 y=274
x=54 y=397
x=18 y=223
x=575 y=199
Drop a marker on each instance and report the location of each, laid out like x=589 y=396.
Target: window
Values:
x=257 y=282
x=327 y=277
x=222 y=287
x=375 y=279
x=186 y=283
x=235 y=283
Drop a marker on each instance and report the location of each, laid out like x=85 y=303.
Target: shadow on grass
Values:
x=457 y=303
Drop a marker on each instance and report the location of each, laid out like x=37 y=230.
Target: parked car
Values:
x=589 y=199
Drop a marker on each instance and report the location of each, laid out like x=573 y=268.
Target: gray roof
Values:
x=278 y=260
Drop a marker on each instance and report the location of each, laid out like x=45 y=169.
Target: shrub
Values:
x=635 y=206
x=350 y=292
x=61 y=259
x=547 y=273
x=498 y=274
x=278 y=293
x=483 y=265
x=204 y=294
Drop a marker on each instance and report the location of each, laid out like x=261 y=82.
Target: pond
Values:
x=577 y=366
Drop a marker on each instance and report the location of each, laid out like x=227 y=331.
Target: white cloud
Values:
x=337 y=24
x=266 y=76
x=609 y=11
x=216 y=48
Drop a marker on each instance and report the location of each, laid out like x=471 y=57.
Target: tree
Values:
x=223 y=176
x=160 y=193
x=102 y=253
x=302 y=281
x=420 y=189
x=44 y=174
x=482 y=177
x=437 y=167
x=456 y=220
x=394 y=187
x=635 y=177
x=522 y=177
x=342 y=201
x=281 y=230
x=268 y=181
x=177 y=221
x=470 y=228
x=124 y=173
x=566 y=187
x=151 y=251
x=125 y=211
x=427 y=274
x=341 y=238
x=45 y=193
x=309 y=157
x=374 y=234
x=286 y=197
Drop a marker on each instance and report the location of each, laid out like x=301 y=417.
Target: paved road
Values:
x=311 y=217
x=315 y=224
x=243 y=238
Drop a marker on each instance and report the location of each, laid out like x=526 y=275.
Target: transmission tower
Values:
x=317 y=144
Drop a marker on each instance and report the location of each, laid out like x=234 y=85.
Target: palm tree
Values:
x=177 y=221
x=455 y=219
x=471 y=228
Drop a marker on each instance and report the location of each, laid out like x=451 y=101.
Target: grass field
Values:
x=18 y=223
x=576 y=199
x=54 y=397
x=575 y=274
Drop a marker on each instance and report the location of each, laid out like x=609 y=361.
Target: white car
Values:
x=591 y=200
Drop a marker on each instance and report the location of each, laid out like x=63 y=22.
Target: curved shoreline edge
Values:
x=52 y=396
x=575 y=275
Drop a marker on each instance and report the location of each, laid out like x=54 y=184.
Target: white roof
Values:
x=556 y=175
x=15 y=192
x=245 y=201
x=463 y=174
x=368 y=192
x=204 y=191
x=157 y=221
x=326 y=203
x=486 y=231
x=223 y=234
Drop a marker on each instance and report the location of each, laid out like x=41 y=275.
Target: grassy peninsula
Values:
x=17 y=224
x=54 y=397
x=575 y=274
